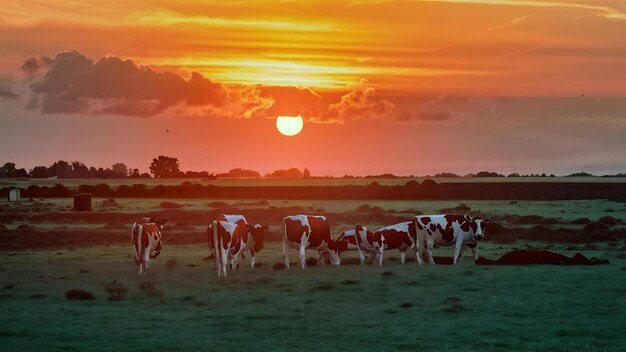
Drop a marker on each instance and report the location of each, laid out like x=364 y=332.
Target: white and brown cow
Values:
x=307 y=231
x=234 y=239
x=367 y=242
x=399 y=236
x=448 y=229
x=146 y=241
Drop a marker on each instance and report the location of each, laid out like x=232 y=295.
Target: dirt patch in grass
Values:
x=387 y=274
x=117 y=291
x=38 y=296
x=325 y=286
x=349 y=282
x=280 y=266
x=77 y=294
x=151 y=290
x=171 y=263
x=406 y=305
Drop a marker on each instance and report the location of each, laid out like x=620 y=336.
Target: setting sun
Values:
x=289 y=125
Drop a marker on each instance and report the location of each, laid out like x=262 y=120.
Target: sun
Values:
x=289 y=125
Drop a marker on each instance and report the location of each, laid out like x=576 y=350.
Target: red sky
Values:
x=407 y=87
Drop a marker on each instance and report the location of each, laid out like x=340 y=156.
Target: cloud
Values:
x=112 y=85
x=33 y=65
x=7 y=93
x=435 y=110
x=357 y=104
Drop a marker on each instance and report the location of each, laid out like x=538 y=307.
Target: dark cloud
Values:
x=34 y=65
x=7 y=93
x=112 y=85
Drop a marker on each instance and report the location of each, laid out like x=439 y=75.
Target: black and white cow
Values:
x=146 y=241
x=447 y=229
x=399 y=236
x=306 y=231
x=232 y=241
x=368 y=242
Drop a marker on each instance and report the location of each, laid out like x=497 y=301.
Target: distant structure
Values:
x=82 y=202
x=14 y=195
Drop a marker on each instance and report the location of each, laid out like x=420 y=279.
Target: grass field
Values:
x=396 y=307
x=249 y=182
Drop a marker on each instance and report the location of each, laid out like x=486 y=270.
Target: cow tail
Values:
x=216 y=249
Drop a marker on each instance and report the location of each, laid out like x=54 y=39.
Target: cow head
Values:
x=258 y=234
x=161 y=223
x=333 y=252
x=478 y=225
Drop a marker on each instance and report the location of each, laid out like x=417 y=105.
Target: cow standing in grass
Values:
x=233 y=240
x=146 y=241
x=457 y=230
x=362 y=240
x=306 y=231
x=399 y=236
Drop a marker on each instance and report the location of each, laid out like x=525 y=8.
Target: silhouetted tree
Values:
x=61 y=169
x=165 y=166
x=79 y=170
x=287 y=173
x=119 y=170
x=306 y=173
x=39 y=172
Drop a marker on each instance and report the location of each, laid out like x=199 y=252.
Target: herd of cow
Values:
x=229 y=236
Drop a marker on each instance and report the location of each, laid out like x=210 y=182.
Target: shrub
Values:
x=151 y=290
x=608 y=220
x=218 y=205
x=80 y=295
x=117 y=291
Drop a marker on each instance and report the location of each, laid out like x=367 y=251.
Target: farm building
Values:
x=14 y=195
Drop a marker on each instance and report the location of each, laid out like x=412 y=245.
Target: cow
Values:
x=234 y=240
x=307 y=231
x=367 y=242
x=146 y=241
x=448 y=229
x=400 y=236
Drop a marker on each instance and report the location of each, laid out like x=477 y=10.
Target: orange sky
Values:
x=409 y=87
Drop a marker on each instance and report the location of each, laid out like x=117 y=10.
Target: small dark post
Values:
x=82 y=202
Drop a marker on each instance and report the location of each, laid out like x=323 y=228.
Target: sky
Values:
x=410 y=87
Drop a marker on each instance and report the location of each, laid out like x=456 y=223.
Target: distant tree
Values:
x=580 y=174
x=145 y=175
x=39 y=172
x=79 y=170
x=134 y=174
x=61 y=169
x=446 y=175
x=119 y=170
x=306 y=173
x=488 y=174
x=287 y=173
x=7 y=170
x=239 y=172
x=165 y=167
x=515 y=174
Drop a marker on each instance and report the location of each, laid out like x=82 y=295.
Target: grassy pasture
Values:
x=74 y=183
x=396 y=307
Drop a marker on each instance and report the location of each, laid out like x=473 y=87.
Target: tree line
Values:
x=161 y=167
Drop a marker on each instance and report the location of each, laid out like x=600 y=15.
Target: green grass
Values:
x=464 y=307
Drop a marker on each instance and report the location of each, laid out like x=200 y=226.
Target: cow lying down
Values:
x=539 y=257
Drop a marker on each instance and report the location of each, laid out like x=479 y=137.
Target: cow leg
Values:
x=402 y=256
x=223 y=261
x=302 y=253
x=252 y=258
x=461 y=253
x=285 y=247
x=418 y=252
x=429 y=247
x=475 y=252
x=457 y=249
